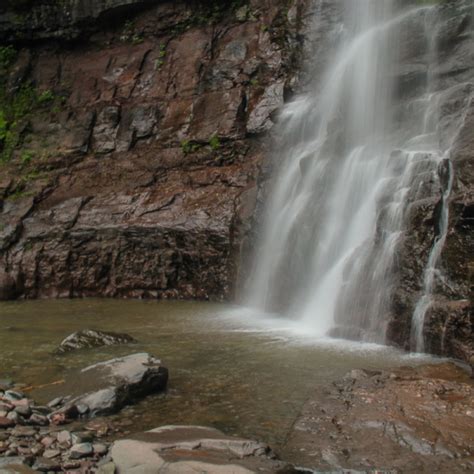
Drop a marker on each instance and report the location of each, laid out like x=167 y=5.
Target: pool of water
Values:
x=229 y=368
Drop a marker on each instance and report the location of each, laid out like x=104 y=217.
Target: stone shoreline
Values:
x=404 y=420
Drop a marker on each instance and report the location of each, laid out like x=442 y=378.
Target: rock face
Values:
x=408 y=420
x=89 y=338
x=449 y=321
x=188 y=449
x=106 y=387
x=136 y=158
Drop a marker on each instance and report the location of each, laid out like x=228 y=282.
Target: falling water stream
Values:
x=349 y=169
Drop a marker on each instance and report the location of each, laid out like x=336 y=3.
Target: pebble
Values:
x=6 y=406
x=23 y=410
x=40 y=420
x=12 y=395
x=99 y=448
x=81 y=450
x=14 y=416
x=64 y=437
x=51 y=453
x=45 y=465
x=23 y=431
x=82 y=437
x=55 y=402
x=47 y=441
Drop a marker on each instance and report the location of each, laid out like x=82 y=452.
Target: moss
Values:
x=7 y=56
x=188 y=146
x=214 y=142
x=16 y=109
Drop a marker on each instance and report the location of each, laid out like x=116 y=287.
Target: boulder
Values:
x=106 y=387
x=188 y=449
x=88 y=338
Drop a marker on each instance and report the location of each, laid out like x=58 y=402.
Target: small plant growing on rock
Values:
x=137 y=39
x=189 y=147
x=214 y=142
x=7 y=56
x=161 y=57
x=26 y=157
x=45 y=97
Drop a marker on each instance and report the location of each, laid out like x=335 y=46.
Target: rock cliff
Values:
x=132 y=140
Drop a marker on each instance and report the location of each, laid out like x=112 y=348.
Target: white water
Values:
x=348 y=172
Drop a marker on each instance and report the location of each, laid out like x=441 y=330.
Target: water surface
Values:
x=228 y=368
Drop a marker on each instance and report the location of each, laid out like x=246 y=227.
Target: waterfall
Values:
x=348 y=169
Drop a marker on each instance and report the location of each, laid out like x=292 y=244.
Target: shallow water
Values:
x=229 y=368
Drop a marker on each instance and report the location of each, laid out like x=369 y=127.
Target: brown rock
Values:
x=6 y=422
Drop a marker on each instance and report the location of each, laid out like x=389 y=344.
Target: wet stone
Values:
x=39 y=420
x=45 y=465
x=82 y=437
x=51 y=453
x=23 y=410
x=15 y=417
x=56 y=402
x=64 y=437
x=81 y=450
x=23 y=431
x=13 y=395
x=99 y=448
x=6 y=423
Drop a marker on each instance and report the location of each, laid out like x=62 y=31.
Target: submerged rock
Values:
x=173 y=449
x=88 y=338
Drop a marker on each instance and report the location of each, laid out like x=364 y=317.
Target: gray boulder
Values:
x=106 y=387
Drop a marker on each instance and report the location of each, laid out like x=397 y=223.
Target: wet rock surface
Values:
x=407 y=420
x=88 y=338
x=182 y=449
x=139 y=155
x=449 y=320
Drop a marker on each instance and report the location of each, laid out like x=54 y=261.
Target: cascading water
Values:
x=349 y=169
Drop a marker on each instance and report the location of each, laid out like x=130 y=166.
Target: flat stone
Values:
x=51 y=453
x=39 y=420
x=23 y=410
x=81 y=450
x=13 y=395
x=82 y=437
x=6 y=406
x=100 y=448
x=23 y=431
x=14 y=416
x=55 y=402
x=45 y=465
x=47 y=441
x=15 y=464
x=180 y=449
x=64 y=437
